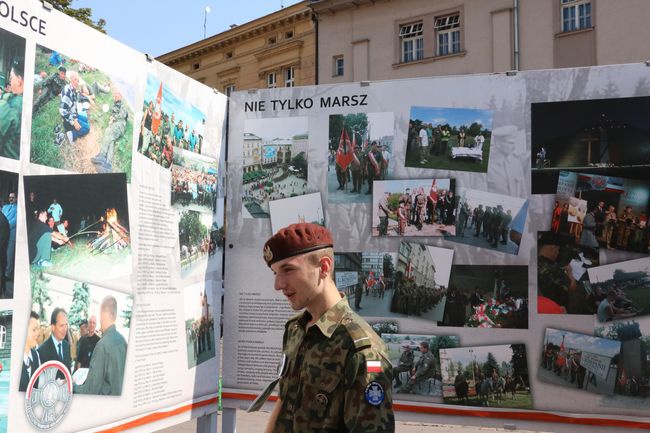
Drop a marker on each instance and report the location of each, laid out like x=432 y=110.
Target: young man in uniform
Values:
x=335 y=375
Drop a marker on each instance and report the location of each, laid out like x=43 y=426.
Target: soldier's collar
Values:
x=328 y=322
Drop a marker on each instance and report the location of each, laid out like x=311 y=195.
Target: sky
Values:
x=268 y=129
x=468 y=354
x=182 y=109
x=157 y=27
x=606 y=272
x=452 y=116
x=587 y=343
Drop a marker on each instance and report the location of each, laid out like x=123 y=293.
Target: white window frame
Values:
x=575 y=15
x=339 y=66
x=271 y=80
x=447 y=29
x=289 y=77
x=411 y=38
x=3 y=336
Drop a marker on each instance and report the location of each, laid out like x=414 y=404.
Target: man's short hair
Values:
x=110 y=304
x=18 y=66
x=425 y=344
x=315 y=256
x=55 y=314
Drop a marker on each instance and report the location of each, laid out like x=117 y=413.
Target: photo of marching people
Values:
x=607 y=137
x=489 y=220
x=368 y=281
x=580 y=361
x=489 y=376
x=306 y=208
x=633 y=374
x=562 y=280
x=414 y=207
x=449 y=138
x=416 y=366
x=194 y=182
x=421 y=281
x=200 y=239
x=487 y=297
x=168 y=124
x=80 y=233
x=8 y=222
x=623 y=289
x=359 y=152
x=12 y=76
x=199 y=323
x=84 y=326
x=274 y=162
x=82 y=117
x=601 y=211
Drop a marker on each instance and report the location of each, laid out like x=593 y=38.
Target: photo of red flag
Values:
x=157 y=115
x=344 y=154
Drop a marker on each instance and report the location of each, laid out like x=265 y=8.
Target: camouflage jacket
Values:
x=406 y=359
x=426 y=366
x=327 y=386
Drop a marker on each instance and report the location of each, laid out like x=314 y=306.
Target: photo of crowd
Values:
x=200 y=239
x=579 y=361
x=359 y=152
x=488 y=376
x=601 y=136
x=194 y=182
x=199 y=323
x=449 y=138
x=169 y=123
x=489 y=220
x=414 y=207
x=86 y=327
x=623 y=289
x=601 y=211
x=12 y=81
x=82 y=117
x=306 y=208
x=6 y=320
x=81 y=233
x=416 y=366
x=487 y=296
x=274 y=162
x=8 y=226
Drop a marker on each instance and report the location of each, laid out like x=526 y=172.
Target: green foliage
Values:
x=389 y=268
x=191 y=229
x=299 y=162
x=40 y=294
x=80 y=304
x=83 y=15
x=126 y=313
x=519 y=361
x=490 y=365
x=353 y=122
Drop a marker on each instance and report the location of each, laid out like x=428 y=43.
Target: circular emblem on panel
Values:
x=48 y=395
x=598 y=182
x=375 y=393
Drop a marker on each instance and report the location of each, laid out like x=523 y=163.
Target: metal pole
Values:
x=207 y=423
x=228 y=420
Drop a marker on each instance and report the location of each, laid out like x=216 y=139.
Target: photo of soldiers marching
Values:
x=199 y=323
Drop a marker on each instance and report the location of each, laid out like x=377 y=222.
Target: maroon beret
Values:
x=296 y=239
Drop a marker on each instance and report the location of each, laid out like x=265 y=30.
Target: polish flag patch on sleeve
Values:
x=373 y=366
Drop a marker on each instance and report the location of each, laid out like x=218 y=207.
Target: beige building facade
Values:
x=390 y=39
x=277 y=50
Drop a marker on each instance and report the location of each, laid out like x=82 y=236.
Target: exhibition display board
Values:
x=500 y=218
x=111 y=182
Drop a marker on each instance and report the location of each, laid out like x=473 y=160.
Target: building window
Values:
x=229 y=89
x=339 y=66
x=448 y=34
x=289 y=34
x=271 y=80
x=228 y=55
x=271 y=40
x=196 y=66
x=289 y=75
x=576 y=15
x=411 y=42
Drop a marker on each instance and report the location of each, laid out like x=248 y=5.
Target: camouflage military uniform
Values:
x=552 y=281
x=326 y=387
x=11 y=107
x=51 y=88
x=114 y=132
x=405 y=364
x=425 y=368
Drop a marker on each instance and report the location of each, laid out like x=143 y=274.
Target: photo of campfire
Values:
x=78 y=226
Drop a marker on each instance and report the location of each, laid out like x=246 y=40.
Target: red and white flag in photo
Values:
x=373 y=366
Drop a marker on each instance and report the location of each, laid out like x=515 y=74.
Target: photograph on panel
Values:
x=623 y=289
x=8 y=221
x=6 y=333
x=274 y=162
x=169 y=124
x=488 y=376
x=84 y=326
x=306 y=208
x=603 y=211
x=80 y=233
x=82 y=117
x=416 y=366
x=487 y=296
x=384 y=326
x=199 y=323
x=579 y=361
x=201 y=238
x=414 y=207
x=449 y=138
x=632 y=375
x=562 y=280
x=608 y=137
x=359 y=152
x=194 y=182
x=12 y=75
x=489 y=220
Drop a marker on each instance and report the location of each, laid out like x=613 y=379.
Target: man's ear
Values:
x=326 y=266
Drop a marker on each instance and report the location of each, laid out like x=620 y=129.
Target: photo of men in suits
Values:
x=31 y=360
x=57 y=347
